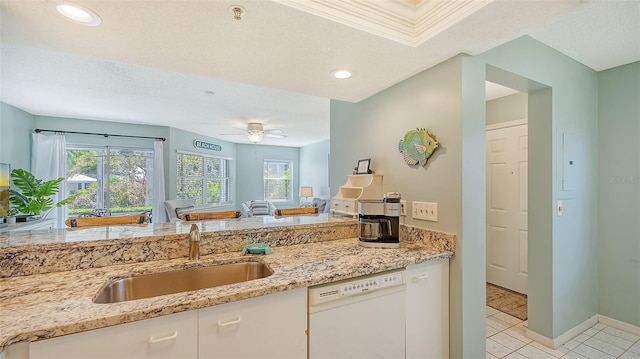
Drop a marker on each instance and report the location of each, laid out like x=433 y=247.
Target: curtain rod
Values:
x=37 y=130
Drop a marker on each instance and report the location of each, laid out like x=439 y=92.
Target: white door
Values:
x=507 y=171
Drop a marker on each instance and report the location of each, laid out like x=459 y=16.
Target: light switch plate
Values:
x=427 y=211
x=560 y=208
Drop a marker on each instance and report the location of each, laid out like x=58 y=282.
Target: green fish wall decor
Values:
x=417 y=146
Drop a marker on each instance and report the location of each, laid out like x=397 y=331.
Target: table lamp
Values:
x=306 y=192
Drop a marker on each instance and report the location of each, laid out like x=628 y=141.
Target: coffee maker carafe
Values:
x=379 y=222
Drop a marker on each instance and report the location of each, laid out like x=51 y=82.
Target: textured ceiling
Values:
x=153 y=61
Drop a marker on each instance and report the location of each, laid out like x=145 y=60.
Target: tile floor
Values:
x=506 y=339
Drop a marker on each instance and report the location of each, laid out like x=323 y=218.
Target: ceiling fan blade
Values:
x=255 y=127
x=275 y=131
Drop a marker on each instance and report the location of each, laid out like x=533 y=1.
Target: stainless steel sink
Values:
x=182 y=280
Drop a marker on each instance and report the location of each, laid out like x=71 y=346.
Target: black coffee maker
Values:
x=379 y=221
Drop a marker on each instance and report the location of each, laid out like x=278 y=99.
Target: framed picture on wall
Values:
x=363 y=166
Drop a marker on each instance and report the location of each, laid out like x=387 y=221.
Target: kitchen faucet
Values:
x=194 y=242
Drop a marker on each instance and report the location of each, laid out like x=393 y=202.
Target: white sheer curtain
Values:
x=48 y=161
x=159 y=215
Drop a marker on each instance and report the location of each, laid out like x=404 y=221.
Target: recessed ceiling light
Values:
x=74 y=12
x=342 y=73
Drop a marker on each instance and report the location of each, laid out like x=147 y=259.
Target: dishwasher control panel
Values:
x=349 y=287
x=368 y=284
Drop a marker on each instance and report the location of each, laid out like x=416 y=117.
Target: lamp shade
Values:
x=306 y=191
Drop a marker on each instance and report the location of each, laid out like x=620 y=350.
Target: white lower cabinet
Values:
x=271 y=326
x=427 y=325
x=172 y=336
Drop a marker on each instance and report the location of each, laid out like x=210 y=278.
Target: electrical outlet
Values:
x=427 y=211
x=403 y=207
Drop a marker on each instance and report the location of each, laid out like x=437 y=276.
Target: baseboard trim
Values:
x=564 y=337
x=539 y=338
x=619 y=324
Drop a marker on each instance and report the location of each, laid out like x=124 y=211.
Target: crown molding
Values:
x=410 y=22
x=433 y=17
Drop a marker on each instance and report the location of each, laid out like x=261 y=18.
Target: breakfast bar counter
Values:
x=38 y=304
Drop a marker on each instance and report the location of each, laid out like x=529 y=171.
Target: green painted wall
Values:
x=15 y=136
x=508 y=108
x=540 y=198
x=373 y=128
x=471 y=248
x=314 y=168
x=563 y=97
x=619 y=193
x=249 y=173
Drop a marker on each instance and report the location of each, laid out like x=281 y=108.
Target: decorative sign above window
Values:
x=417 y=146
x=206 y=145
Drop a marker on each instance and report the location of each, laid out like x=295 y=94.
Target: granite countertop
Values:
x=56 y=237
x=55 y=250
x=47 y=305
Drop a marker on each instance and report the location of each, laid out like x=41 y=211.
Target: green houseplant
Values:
x=33 y=196
x=11 y=216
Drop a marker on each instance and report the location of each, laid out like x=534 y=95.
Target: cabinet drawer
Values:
x=336 y=205
x=171 y=336
x=344 y=205
x=350 y=205
x=272 y=326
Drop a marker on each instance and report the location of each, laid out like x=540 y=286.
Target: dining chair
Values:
x=195 y=216
x=296 y=211
x=107 y=221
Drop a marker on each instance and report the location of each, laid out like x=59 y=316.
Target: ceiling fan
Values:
x=255 y=132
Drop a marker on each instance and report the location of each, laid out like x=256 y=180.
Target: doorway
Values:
x=539 y=115
x=507 y=200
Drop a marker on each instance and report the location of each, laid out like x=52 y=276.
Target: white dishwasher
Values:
x=357 y=318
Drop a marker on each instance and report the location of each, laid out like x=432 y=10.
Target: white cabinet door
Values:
x=171 y=336
x=272 y=326
x=427 y=324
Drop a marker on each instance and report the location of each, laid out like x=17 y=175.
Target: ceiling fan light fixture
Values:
x=255 y=136
x=74 y=12
x=342 y=74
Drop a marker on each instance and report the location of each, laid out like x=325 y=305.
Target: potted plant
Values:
x=33 y=197
x=11 y=216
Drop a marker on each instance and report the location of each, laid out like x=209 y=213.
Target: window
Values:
x=277 y=181
x=204 y=179
x=111 y=179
